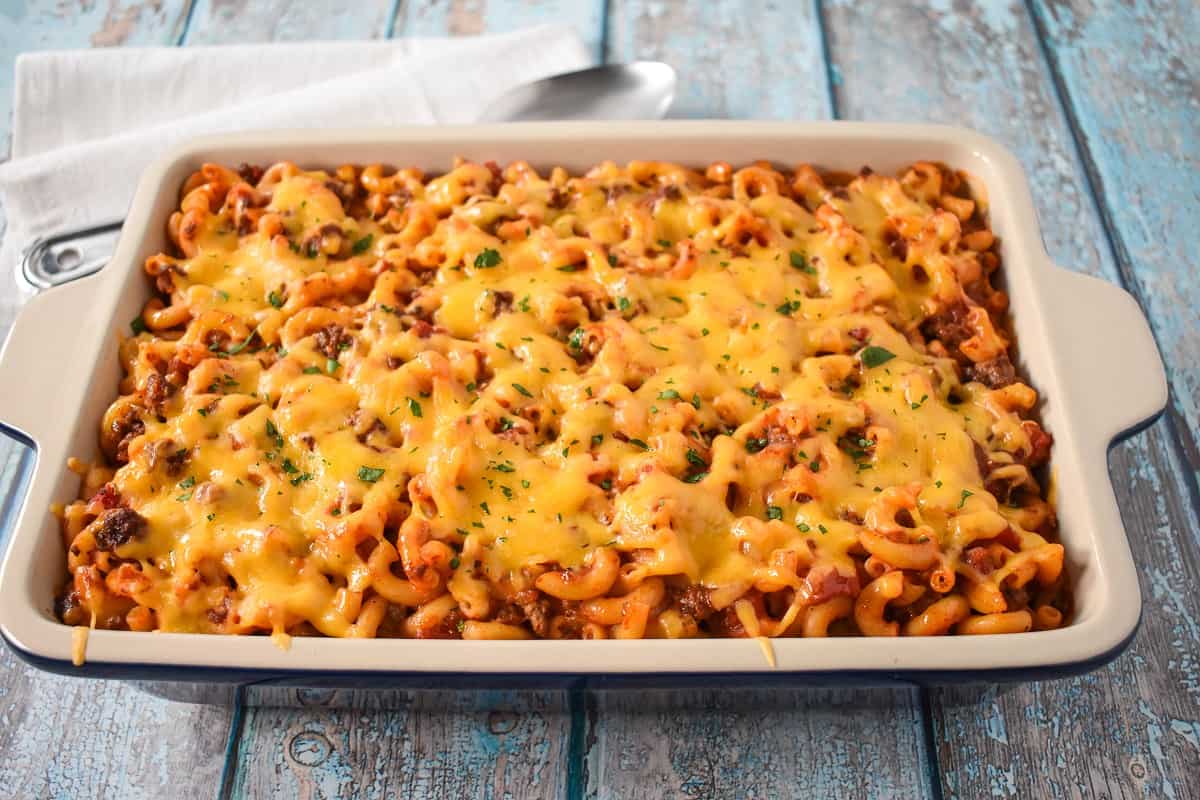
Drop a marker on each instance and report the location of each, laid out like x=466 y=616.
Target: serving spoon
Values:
x=638 y=90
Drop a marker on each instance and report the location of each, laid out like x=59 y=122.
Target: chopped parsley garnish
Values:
x=659 y=347
x=331 y=365
x=873 y=356
x=237 y=348
x=755 y=445
x=138 y=325
x=664 y=243
x=774 y=512
x=800 y=262
x=623 y=304
x=413 y=407
x=612 y=260
x=521 y=390
x=183 y=498
x=275 y=300
x=487 y=258
x=575 y=340
x=289 y=467
x=363 y=244
x=187 y=482
x=454 y=562
x=370 y=474
x=506 y=424
x=638 y=443
x=788 y=307
x=920 y=403
x=696 y=401
x=695 y=458
x=965 y=494
x=573 y=268
x=485 y=508
x=273 y=434
x=312 y=370
x=202 y=412
x=669 y=394
x=803 y=527
x=822 y=529
x=699 y=476
x=507 y=466
x=597 y=439
x=301 y=478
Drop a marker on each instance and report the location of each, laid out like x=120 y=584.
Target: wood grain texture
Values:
x=742 y=743
x=240 y=21
x=1130 y=74
x=326 y=744
x=414 y=744
x=54 y=25
x=71 y=738
x=469 y=17
x=746 y=743
x=759 y=59
x=1129 y=730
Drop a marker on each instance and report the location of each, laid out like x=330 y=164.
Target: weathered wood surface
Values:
x=237 y=21
x=1098 y=101
x=419 y=744
x=1130 y=79
x=748 y=60
x=755 y=743
x=424 y=744
x=1130 y=729
x=760 y=59
x=468 y=17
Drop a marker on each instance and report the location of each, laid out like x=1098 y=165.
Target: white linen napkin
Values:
x=86 y=123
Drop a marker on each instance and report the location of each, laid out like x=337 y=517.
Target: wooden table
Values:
x=1099 y=100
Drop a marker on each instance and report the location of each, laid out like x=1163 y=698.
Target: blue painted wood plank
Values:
x=761 y=59
x=749 y=60
x=240 y=21
x=1128 y=730
x=468 y=17
x=59 y=737
x=406 y=744
x=53 y=25
x=485 y=744
x=751 y=743
x=1130 y=73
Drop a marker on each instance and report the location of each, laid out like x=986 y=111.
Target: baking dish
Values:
x=1084 y=344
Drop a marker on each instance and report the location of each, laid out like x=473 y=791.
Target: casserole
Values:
x=1116 y=360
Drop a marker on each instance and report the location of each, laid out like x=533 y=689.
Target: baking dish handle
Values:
x=39 y=352
x=1110 y=353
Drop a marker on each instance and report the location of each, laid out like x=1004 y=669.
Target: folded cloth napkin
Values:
x=86 y=123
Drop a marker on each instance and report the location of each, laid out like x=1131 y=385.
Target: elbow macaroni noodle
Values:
x=645 y=401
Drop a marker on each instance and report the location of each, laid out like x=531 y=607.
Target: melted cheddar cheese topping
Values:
x=642 y=401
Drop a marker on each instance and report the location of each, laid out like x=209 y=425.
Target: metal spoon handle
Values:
x=63 y=257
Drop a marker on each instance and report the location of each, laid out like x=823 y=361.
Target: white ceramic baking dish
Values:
x=1084 y=343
